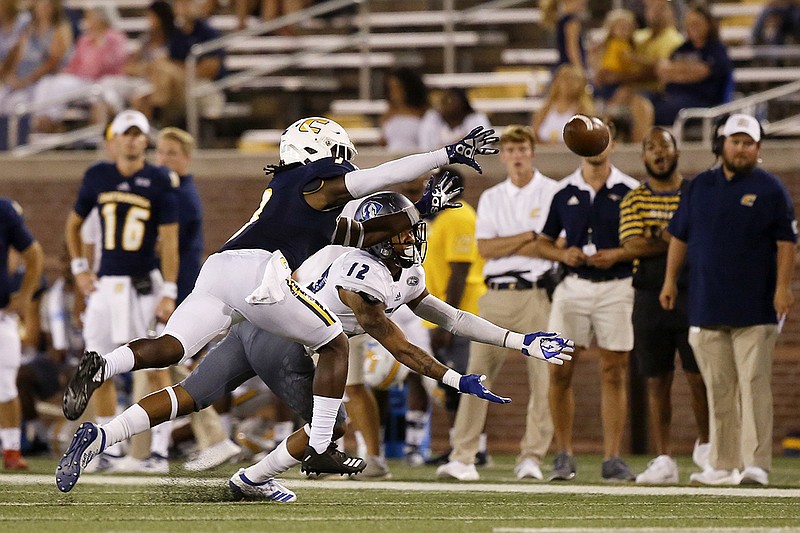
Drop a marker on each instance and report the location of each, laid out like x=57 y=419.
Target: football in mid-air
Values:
x=586 y=136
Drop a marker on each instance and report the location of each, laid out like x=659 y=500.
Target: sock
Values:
x=322 y=420
x=361 y=444
x=415 y=427
x=119 y=361
x=159 y=439
x=275 y=463
x=11 y=438
x=225 y=420
x=482 y=443
x=132 y=421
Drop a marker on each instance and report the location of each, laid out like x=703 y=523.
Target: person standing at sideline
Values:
x=658 y=334
x=736 y=227
x=595 y=299
x=14 y=234
x=509 y=218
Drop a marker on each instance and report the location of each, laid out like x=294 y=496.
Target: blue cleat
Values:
x=87 y=443
x=270 y=489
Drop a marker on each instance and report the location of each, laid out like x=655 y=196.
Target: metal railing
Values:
x=746 y=104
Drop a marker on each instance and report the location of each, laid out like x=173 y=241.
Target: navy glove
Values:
x=471 y=384
x=437 y=196
x=548 y=346
x=473 y=144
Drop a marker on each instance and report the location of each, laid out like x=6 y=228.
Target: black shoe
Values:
x=439 y=460
x=331 y=461
x=89 y=376
x=615 y=469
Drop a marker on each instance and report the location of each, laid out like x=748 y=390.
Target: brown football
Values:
x=586 y=136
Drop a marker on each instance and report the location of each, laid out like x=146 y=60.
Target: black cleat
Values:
x=331 y=461
x=89 y=376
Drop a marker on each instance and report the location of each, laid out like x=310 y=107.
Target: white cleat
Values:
x=89 y=440
x=270 y=489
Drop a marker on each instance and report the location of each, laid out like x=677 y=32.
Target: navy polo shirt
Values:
x=731 y=229
x=585 y=215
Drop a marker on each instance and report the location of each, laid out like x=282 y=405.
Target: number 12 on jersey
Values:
x=359 y=272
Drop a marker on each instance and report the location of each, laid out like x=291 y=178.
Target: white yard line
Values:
x=523 y=488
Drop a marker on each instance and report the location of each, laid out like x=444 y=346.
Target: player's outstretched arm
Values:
x=372 y=317
x=549 y=347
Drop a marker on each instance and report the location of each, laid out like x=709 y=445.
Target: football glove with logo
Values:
x=438 y=196
x=473 y=144
x=548 y=346
x=472 y=384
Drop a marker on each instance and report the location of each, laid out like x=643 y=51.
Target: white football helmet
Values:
x=381 y=370
x=313 y=138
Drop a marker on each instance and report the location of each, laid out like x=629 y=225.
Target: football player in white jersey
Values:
x=364 y=287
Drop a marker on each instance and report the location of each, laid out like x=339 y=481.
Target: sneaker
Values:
x=662 y=469
x=458 y=470
x=376 y=469
x=753 y=475
x=701 y=454
x=564 y=468
x=155 y=464
x=331 y=461
x=711 y=476
x=270 y=489
x=413 y=458
x=213 y=456
x=13 y=460
x=528 y=469
x=615 y=469
x=88 y=377
x=88 y=441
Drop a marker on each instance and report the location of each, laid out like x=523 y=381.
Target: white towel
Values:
x=275 y=274
x=119 y=290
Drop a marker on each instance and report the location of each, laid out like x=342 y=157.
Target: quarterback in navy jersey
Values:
x=250 y=277
x=14 y=235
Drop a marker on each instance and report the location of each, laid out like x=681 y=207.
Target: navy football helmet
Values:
x=405 y=249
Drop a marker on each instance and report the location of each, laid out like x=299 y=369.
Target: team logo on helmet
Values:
x=370 y=209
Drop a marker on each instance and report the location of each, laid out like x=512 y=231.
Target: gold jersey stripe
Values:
x=311 y=303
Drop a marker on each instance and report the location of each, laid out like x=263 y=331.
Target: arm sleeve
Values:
x=363 y=182
x=19 y=236
x=460 y=322
x=552 y=227
x=87 y=196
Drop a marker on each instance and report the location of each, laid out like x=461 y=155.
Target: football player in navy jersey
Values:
x=138 y=205
x=14 y=234
x=364 y=288
x=249 y=278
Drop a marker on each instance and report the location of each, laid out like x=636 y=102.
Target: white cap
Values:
x=128 y=119
x=739 y=123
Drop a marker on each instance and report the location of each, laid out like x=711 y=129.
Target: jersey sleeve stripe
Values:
x=311 y=303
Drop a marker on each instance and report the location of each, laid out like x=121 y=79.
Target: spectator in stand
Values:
x=778 y=23
x=616 y=53
x=658 y=334
x=148 y=69
x=12 y=23
x=407 y=97
x=101 y=51
x=43 y=49
x=657 y=41
x=736 y=226
x=569 y=94
x=569 y=29
x=451 y=117
x=268 y=10
x=698 y=74
x=595 y=299
x=191 y=30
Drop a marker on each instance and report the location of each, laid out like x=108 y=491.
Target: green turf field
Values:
x=413 y=500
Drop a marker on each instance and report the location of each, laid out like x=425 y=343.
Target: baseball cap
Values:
x=128 y=119
x=739 y=123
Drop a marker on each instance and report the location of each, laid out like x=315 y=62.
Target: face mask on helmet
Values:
x=314 y=138
x=406 y=249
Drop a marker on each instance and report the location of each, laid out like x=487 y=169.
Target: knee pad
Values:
x=8 y=383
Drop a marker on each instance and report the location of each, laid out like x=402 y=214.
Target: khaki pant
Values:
x=736 y=364
x=522 y=311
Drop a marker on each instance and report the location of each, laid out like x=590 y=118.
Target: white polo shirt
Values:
x=506 y=209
